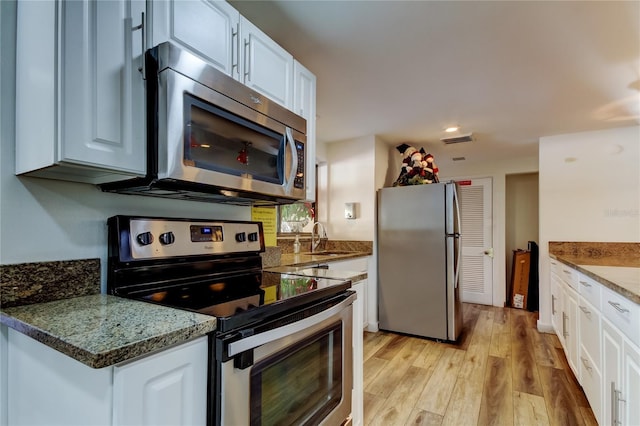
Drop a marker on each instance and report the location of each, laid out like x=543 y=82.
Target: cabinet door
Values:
x=571 y=328
x=556 y=306
x=631 y=385
x=611 y=372
x=207 y=28
x=102 y=117
x=265 y=67
x=169 y=387
x=304 y=104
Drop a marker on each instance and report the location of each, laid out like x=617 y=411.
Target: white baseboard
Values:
x=372 y=327
x=545 y=327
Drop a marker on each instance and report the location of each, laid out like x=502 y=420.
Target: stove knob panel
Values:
x=253 y=236
x=144 y=239
x=241 y=237
x=167 y=238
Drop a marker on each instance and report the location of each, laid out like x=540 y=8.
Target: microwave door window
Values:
x=223 y=142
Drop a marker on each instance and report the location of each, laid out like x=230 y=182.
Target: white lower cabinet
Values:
x=589 y=320
x=359 y=322
x=556 y=306
x=621 y=378
x=604 y=354
x=169 y=387
x=570 y=328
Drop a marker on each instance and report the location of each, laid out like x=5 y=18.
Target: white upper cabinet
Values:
x=79 y=92
x=265 y=66
x=207 y=28
x=304 y=104
x=216 y=32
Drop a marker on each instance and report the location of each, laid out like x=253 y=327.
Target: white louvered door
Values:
x=477 y=246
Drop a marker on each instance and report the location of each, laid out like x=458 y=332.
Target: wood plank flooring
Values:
x=501 y=371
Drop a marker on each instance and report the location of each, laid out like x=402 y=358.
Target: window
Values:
x=296 y=218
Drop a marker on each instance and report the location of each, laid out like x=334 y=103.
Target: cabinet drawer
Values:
x=590 y=290
x=590 y=329
x=569 y=276
x=590 y=380
x=623 y=313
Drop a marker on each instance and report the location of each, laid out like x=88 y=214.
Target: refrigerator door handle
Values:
x=457 y=236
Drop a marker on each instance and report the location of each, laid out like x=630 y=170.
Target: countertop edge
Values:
x=602 y=280
x=114 y=354
x=308 y=259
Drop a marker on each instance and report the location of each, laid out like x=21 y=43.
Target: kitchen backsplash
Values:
x=286 y=245
x=38 y=282
x=598 y=253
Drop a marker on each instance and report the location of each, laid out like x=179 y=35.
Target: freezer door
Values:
x=411 y=246
x=454 y=257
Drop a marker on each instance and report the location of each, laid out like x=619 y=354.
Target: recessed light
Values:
x=452 y=129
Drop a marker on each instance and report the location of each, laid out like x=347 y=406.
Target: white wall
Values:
x=44 y=220
x=351 y=179
x=589 y=191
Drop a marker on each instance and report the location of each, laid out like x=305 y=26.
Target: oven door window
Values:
x=300 y=384
x=217 y=140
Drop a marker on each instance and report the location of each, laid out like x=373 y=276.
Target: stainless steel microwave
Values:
x=211 y=138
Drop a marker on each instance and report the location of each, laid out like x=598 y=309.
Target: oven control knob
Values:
x=241 y=237
x=144 y=239
x=167 y=238
x=253 y=236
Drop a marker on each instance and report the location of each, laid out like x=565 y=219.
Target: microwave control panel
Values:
x=298 y=182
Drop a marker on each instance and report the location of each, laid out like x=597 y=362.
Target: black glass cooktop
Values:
x=240 y=300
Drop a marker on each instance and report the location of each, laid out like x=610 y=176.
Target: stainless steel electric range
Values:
x=282 y=351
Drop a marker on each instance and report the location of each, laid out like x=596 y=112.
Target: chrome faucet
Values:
x=322 y=233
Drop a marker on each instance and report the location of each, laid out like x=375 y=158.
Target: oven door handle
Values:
x=256 y=340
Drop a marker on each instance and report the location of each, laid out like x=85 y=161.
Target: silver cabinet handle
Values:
x=247 y=62
x=235 y=49
x=566 y=272
x=617 y=307
x=143 y=34
x=586 y=284
x=553 y=304
x=564 y=326
x=585 y=362
x=585 y=310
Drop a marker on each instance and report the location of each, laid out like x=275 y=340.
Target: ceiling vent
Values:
x=458 y=138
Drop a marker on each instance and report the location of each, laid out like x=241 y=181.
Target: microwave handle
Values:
x=288 y=183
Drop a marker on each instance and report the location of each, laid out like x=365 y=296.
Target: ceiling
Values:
x=508 y=72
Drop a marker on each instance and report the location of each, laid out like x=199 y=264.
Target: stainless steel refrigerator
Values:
x=418 y=247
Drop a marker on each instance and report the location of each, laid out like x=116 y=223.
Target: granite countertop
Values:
x=101 y=330
x=624 y=280
x=353 y=276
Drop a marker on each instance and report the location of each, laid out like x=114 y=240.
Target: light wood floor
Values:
x=502 y=371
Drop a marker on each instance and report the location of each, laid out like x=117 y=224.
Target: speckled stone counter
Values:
x=354 y=276
x=309 y=259
x=612 y=264
x=102 y=330
x=37 y=282
x=624 y=280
